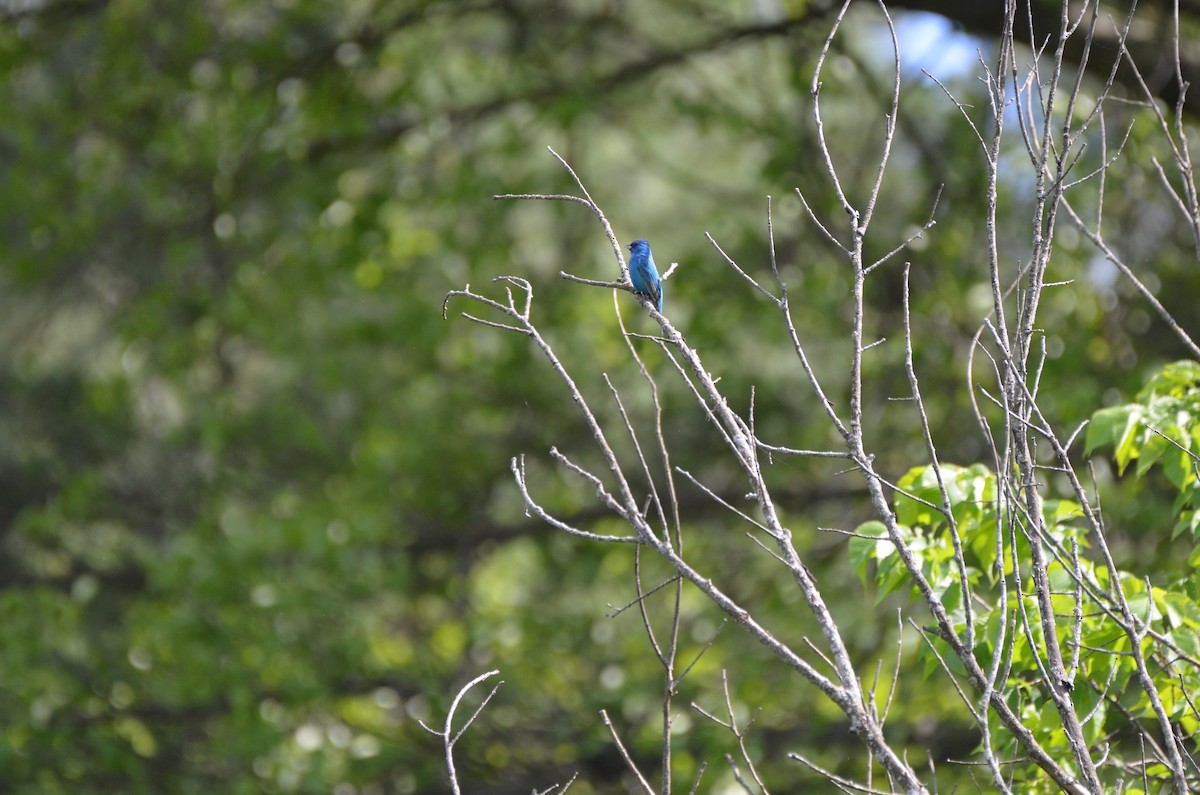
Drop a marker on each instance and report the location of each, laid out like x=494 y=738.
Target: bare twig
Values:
x=449 y=737
x=633 y=768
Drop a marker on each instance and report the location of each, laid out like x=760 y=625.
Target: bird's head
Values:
x=639 y=244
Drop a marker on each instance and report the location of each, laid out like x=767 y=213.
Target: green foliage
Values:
x=941 y=509
x=1162 y=427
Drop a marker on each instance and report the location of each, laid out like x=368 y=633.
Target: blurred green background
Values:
x=257 y=512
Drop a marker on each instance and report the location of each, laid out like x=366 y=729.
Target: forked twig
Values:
x=449 y=737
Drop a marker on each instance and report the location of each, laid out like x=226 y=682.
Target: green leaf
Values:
x=1061 y=511
x=1189 y=521
x=1179 y=465
x=1127 y=444
x=862 y=550
x=1150 y=451
x=1186 y=639
x=1175 y=379
x=1108 y=425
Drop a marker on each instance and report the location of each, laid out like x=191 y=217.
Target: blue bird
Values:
x=643 y=273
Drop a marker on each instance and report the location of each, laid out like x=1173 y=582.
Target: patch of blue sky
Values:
x=932 y=43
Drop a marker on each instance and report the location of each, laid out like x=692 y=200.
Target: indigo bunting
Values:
x=643 y=273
